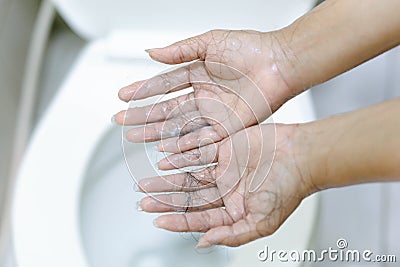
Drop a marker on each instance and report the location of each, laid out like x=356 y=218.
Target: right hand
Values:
x=260 y=179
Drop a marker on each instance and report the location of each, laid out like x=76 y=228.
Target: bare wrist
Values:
x=299 y=142
x=289 y=62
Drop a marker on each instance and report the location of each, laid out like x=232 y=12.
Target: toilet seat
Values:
x=47 y=190
x=46 y=197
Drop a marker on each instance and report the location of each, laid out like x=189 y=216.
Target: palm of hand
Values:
x=248 y=195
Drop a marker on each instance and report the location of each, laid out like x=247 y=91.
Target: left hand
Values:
x=236 y=85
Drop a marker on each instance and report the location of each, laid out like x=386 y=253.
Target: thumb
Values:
x=183 y=51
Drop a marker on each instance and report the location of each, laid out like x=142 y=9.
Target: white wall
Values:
x=16 y=23
x=366 y=215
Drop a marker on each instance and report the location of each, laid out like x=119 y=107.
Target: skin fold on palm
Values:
x=254 y=187
x=235 y=81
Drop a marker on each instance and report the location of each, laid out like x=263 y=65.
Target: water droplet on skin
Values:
x=274 y=68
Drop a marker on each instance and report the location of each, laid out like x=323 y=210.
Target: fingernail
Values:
x=126 y=94
x=147 y=51
x=136 y=187
x=126 y=138
x=160 y=163
x=138 y=206
x=155 y=223
x=113 y=121
x=162 y=146
x=203 y=244
x=158 y=166
x=133 y=136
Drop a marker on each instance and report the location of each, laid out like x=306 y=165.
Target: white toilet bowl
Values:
x=59 y=196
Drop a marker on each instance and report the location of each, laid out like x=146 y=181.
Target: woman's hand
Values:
x=259 y=180
x=236 y=84
x=263 y=172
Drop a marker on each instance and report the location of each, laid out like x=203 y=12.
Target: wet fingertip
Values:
x=165 y=147
x=151 y=51
x=139 y=206
x=124 y=95
x=118 y=118
x=155 y=223
x=203 y=244
x=126 y=138
x=159 y=163
x=113 y=121
x=163 y=165
x=128 y=93
x=162 y=222
x=160 y=146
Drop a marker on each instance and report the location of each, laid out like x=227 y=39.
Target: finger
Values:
x=183 y=51
x=207 y=198
x=181 y=182
x=200 y=221
x=201 y=137
x=195 y=157
x=233 y=235
x=167 y=129
x=157 y=112
x=172 y=81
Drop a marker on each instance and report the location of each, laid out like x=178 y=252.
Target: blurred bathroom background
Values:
x=32 y=40
x=36 y=45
